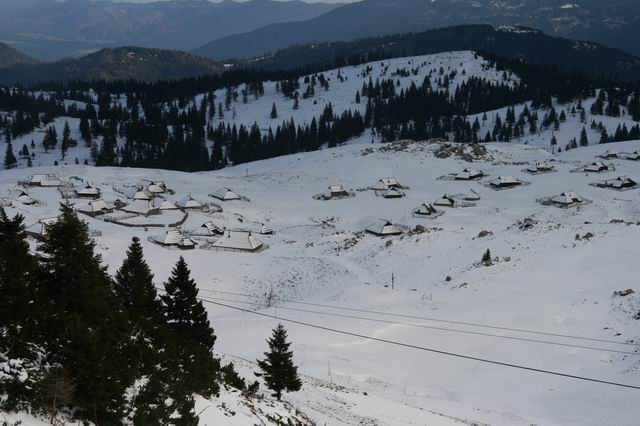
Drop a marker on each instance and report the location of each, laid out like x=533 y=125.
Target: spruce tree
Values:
x=10 y=160
x=274 y=111
x=280 y=374
x=87 y=334
x=193 y=336
x=584 y=141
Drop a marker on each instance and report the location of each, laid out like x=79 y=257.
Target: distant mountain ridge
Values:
x=615 y=23
x=10 y=56
x=52 y=30
x=123 y=63
x=527 y=44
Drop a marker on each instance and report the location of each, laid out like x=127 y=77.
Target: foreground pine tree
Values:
x=279 y=372
x=196 y=370
x=87 y=332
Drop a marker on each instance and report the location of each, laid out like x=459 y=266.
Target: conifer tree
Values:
x=10 y=160
x=584 y=141
x=280 y=374
x=87 y=333
x=274 y=111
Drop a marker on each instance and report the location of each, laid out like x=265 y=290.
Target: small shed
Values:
x=138 y=193
x=619 y=183
x=162 y=204
x=49 y=181
x=39 y=229
x=596 y=167
x=226 y=194
x=88 y=191
x=175 y=238
x=188 y=202
x=503 y=182
x=387 y=183
x=95 y=208
x=445 y=201
x=335 y=192
x=25 y=199
x=611 y=153
x=238 y=241
x=540 y=168
x=141 y=207
x=156 y=187
x=469 y=174
x=208 y=229
x=566 y=199
x=427 y=211
x=393 y=193
x=634 y=156
x=383 y=228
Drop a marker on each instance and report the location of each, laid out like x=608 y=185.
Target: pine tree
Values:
x=87 y=333
x=193 y=335
x=280 y=374
x=584 y=141
x=10 y=160
x=274 y=111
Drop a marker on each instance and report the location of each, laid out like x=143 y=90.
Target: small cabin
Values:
x=387 y=183
x=619 y=183
x=596 y=167
x=543 y=167
x=88 y=191
x=502 y=182
x=392 y=193
x=469 y=174
x=141 y=207
x=566 y=199
x=189 y=203
x=445 y=201
x=426 y=211
x=226 y=194
x=383 y=228
x=238 y=241
x=174 y=238
x=96 y=208
x=208 y=229
x=47 y=181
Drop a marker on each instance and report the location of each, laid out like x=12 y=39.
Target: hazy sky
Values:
x=217 y=1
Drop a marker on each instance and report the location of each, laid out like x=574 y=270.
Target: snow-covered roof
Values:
x=383 y=227
x=174 y=237
x=96 y=206
x=468 y=174
x=611 y=153
x=40 y=227
x=596 y=166
x=24 y=198
x=337 y=189
x=143 y=207
x=162 y=204
x=138 y=193
x=188 y=202
x=225 y=194
x=393 y=193
x=237 y=240
x=45 y=180
x=88 y=191
x=620 y=182
x=208 y=229
x=567 y=198
x=540 y=167
x=157 y=187
x=386 y=183
x=445 y=200
x=426 y=210
x=505 y=181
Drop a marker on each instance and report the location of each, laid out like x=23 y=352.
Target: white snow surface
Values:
x=544 y=279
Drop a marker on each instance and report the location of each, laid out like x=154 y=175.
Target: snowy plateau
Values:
x=551 y=298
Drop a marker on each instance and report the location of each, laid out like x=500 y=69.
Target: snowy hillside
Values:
x=342 y=89
x=551 y=270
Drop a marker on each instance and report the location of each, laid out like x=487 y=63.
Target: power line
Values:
x=546 y=342
x=391 y=314
x=426 y=349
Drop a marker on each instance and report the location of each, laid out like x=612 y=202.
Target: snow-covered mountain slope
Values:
x=343 y=84
x=554 y=270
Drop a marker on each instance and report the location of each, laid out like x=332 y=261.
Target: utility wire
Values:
x=426 y=349
x=391 y=314
x=546 y=342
